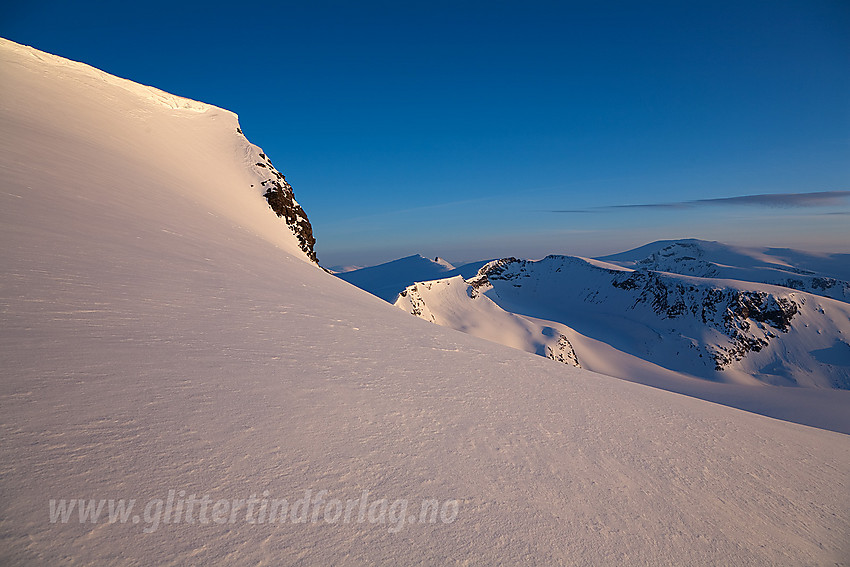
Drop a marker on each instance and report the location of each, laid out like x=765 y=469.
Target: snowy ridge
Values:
x=724 y=330
x=160 y=334
x=81 y=72
x=389 y=279
x=460 y=306
x=116 y=120
x=652 y=327
x=824 y=274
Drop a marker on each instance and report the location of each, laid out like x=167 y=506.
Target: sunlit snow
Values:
x=164 y=336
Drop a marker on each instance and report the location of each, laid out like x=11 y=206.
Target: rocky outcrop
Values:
x=281 y=199
x=417 y=303
x=563 y=352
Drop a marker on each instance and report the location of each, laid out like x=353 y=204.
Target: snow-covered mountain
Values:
x=165 y=338
x=388 y=279
x=459 y=305
x=177 y=136
x=820 y=274
x=723 y=330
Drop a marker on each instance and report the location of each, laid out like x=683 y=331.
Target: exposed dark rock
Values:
x=564 y=352
x=690 y=259
x=281 y=199
x=750 y=319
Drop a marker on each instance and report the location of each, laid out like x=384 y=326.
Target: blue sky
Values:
x=483 y=129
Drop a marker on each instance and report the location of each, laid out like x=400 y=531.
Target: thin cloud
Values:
x=774 y=200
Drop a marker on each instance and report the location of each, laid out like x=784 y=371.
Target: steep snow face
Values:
x=389 y=279
x=116 y=131
x=819 y=274
x=719 y=329
x=161 y=336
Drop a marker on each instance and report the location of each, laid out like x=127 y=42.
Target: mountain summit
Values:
x=120 y=131
x=818 y=274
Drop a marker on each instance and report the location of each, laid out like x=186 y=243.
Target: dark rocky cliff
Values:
x=281 y=198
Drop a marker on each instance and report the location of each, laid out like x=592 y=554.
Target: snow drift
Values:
x=164 y=333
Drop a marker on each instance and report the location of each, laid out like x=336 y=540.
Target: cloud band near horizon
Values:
x=774 y=200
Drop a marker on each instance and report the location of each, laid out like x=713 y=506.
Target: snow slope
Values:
x=118 y=138
x=724 y=330
x=556 y=288
x=459 y=306
x=820 y=274
x=389 y=279
x=163 y=331
x=827 y=265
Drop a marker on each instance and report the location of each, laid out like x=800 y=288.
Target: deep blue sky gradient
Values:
x=457 y=128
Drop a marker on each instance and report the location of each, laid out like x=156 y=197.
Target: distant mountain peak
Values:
x=820 y=274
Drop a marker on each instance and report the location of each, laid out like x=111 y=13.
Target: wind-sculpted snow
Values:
x=121 y=126
x=165 y=339
x=82 y=74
